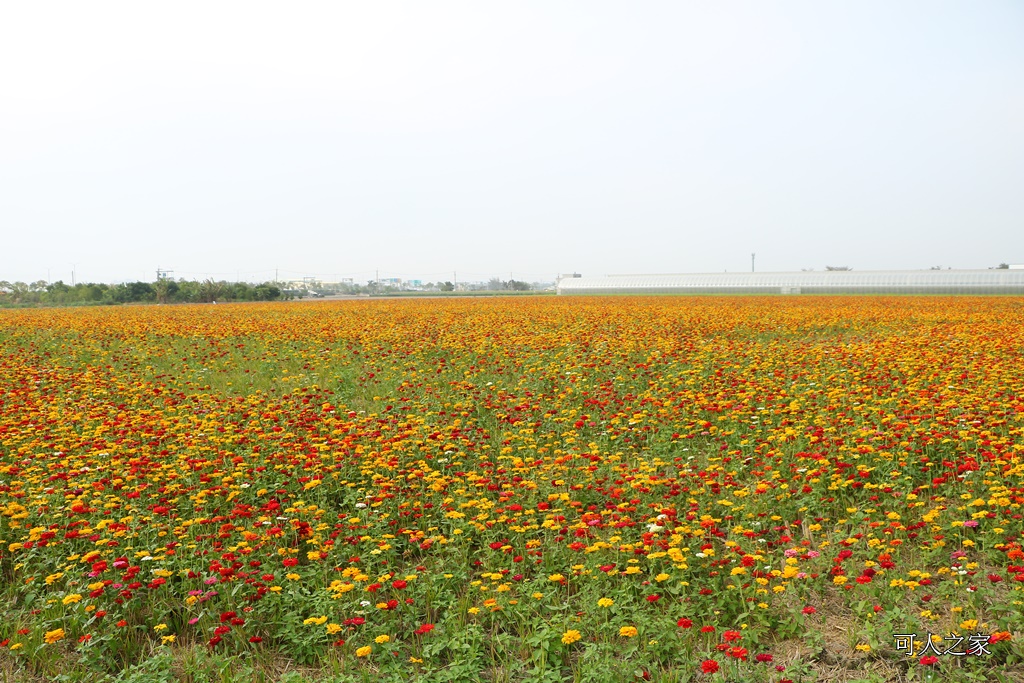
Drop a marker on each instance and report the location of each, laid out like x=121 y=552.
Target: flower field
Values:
x=710 y=489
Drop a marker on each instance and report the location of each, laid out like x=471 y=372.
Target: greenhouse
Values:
x=992 y=281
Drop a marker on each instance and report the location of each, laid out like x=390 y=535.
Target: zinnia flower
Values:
x=571 y=636
x=709 y=666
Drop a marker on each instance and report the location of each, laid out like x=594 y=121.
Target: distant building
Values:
x=991 y=281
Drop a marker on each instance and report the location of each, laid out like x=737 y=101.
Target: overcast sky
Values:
x=228 y=140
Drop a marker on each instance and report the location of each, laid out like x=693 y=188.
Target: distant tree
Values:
x=1003 y=266
x=165 y=289
x=494 y=284
x=210 y=290
x=838 y=268
x=447 y=287
x=518 y=286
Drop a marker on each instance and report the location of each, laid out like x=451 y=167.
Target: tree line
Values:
x=164 y=291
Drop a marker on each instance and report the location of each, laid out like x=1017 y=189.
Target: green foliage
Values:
x=19 y=294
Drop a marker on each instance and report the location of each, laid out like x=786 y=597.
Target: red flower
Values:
x=291 y=561
x=929 y=660
x=738 y=653
x=399 y=584
x=707 y=629
x=653 y=598
x=684 y=623
x=424 y=629
x=255 y=639
x=730 y=636
x=227 y=616
x=709 y=666
x=764 y=658
x=122 y=623
x=809 y=610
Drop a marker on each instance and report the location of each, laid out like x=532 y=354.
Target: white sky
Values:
x=419 y=138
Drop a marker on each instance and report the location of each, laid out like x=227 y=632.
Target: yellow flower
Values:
x=864 y=647
x=292 y=577
x=662 y=577
x=537 y=596
x=53 y=636
x=632 y=569
x=556 y=577
x=74 y=597
x=315 y=621
x=969 y=624
x=160 y=627
x=605 y=602
x=839 y=580
x=474 y=610
x=364 y=651
x=380 y=640
x=333 y=628
x=166 y=640
x=571 y=636
x=628 y=631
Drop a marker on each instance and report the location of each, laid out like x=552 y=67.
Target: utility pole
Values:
x=752 y=262
x=275 y=276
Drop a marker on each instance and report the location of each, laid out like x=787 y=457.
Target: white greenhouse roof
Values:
x=993 y=281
